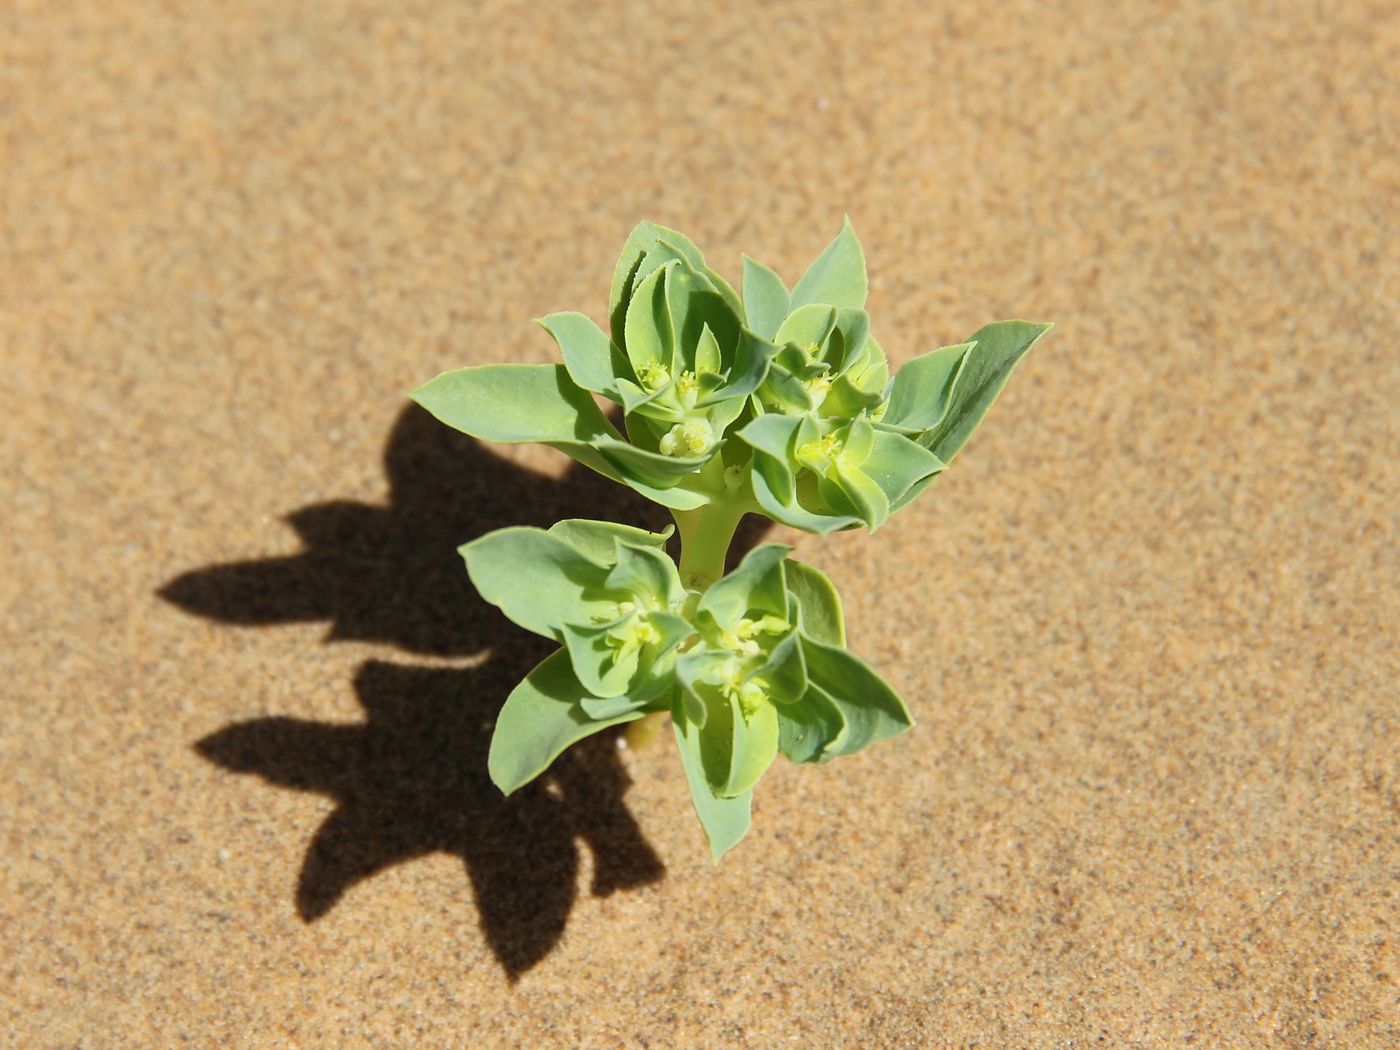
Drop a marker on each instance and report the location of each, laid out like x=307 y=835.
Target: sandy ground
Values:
x=1147 y=623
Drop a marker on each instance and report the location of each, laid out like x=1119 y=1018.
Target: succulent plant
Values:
x=779 y=404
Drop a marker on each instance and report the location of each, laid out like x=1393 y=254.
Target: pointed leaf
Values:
x=766 y=298
x=756 y=583
x=923 y=388
x=871 y=710
x=601 y=669
x=837 y=277
x=848 y=339
x=667 y=250
x=707 y=355
x=518 y=403
x=725 y=820
x=755 y=747
x=808 y=727
x=642 y=241
x=541 y=717
x=851 y=490
x=651 y=468
x=897 y=464
x=735 y=751
x=784 y=674
x=772 y=436
x=648 y=325
x=790 y=512
x=999 y=349
x=514 y=403
x=846 y=400
x=604 y=707
x=746 y=372
x=647 y=572
x=588 y=353
x=596 y=540
x=694 y=305
x=807 y=326
x=822 y=618
x=649 y=246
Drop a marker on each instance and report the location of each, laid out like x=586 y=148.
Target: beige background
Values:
x=1147 y=623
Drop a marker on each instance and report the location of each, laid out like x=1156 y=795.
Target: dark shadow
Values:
x=411 y=779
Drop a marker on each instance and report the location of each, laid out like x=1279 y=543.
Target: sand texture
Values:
x=1147 y=622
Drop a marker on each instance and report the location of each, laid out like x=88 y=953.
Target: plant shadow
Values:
x=410 y=779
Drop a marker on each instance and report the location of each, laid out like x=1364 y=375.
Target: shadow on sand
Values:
x=411 y=779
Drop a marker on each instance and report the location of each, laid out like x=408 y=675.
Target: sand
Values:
x=1146 y=622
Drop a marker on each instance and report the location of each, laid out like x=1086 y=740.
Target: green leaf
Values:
x=735 y=751
x=725 y=820
x=923 y=388
x=541 y=717
x=647 y=572
x=756 y=583
x=837 y=277
x=771 y=436
x=538 y=580
x=766 y=299
x=897 y=465
x=872 y=372
x=848 y=339
x=999 y=349
x=851 y=490
x=858 y=438
x=784 y=390
x=784 y=674
x=650 y=403
x=649 y=246
x=871 y=710
x=821 y=617
x=651 y=468
x=599 y=708
x=648 y=325
x=588 y=353
x=807 y=325
x=518 y=403
x=597 y=540
x=643 y=240
x=694 y=305
x=807 y=728
x=601 y=670
x=639 y=673
x=766 y=479
x=515 y=403
x=707 y=354
x=846 y=400
x=747 y=371
x=673 y=629
x=674 y=496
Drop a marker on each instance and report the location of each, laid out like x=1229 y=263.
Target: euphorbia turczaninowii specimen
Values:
x=778 y=402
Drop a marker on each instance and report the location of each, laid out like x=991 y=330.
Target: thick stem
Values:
x=705 y=537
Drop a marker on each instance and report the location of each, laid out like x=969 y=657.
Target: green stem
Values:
x=705 y=537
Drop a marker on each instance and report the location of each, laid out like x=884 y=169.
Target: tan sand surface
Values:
x=1147 y=623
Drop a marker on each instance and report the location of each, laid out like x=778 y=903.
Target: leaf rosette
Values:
x=753 y=667
x=836 y=443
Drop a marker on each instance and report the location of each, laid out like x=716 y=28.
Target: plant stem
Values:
x=705 y=537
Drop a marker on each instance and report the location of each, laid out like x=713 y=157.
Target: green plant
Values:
x=778 y=403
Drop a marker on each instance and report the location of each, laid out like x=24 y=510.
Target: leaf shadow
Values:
x=410 y=780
